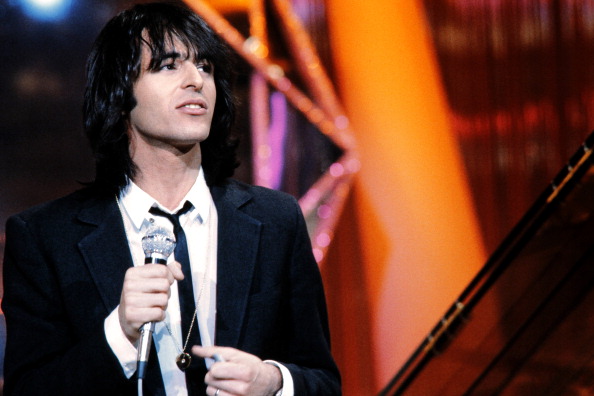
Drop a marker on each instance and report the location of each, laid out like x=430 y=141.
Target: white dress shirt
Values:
x=200 y=227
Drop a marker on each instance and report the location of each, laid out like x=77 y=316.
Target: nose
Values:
x=192 y=77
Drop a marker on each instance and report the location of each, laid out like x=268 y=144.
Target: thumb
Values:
x=176 y=270
x=202 y=351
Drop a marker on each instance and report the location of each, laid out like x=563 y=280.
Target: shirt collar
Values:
x=136 y=202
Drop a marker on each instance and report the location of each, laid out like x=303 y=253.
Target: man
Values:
x=158 y=111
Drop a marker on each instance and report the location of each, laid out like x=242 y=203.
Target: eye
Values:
x=170 y=62
x=168 y=65
x=205 y=66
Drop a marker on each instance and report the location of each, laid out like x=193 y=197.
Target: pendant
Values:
x=183 y=361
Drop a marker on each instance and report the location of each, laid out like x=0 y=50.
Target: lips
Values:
x=193 y=107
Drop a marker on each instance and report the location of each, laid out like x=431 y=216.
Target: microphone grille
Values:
x=158 y=240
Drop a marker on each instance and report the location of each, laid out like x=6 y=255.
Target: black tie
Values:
x=187 y=304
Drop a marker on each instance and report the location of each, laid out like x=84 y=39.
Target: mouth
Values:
x=194 y=104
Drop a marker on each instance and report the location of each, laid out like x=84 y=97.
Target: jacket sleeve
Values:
x=48 y=351
x=312 y=367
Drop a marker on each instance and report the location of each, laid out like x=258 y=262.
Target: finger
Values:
x=214 y=391
x=176 y=270
x=147 y=285
x=226 y=354
x=215 y=353
x=147 y=271
x=208 y=352
x=146 y=300
x=139 y=316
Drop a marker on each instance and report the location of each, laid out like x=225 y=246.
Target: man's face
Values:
x=175 y=103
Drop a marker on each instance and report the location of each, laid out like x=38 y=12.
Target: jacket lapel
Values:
x=105 y=249
x=107 y=255
x=238 y=241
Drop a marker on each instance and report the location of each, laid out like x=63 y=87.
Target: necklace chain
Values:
x=197 y=302
x=182 y=350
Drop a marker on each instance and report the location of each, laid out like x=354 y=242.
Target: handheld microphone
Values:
x=157 y=244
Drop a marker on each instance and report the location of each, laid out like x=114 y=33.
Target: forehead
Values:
x=168 y=42
x=171 y=45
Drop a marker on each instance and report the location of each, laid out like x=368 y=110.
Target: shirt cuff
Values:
x=122 y=348
x=288 y=389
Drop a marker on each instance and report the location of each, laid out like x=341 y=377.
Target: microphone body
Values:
x=157 y=244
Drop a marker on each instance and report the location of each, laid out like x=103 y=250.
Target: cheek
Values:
x=146 y=115
x=209 y=90
x=148 y=107
x=213 y=100
x=149 y=94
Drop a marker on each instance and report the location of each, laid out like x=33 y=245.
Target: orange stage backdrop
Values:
x=408 y=242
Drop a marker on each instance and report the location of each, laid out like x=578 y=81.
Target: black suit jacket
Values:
x=64 y=268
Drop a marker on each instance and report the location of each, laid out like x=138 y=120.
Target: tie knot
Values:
x=173 y=217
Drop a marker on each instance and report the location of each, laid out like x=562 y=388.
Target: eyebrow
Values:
x=156 y=61
x=170 y=55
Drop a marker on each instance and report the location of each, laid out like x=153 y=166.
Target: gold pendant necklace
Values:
x=184 y=359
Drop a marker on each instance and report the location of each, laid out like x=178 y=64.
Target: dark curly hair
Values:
x=113 y=67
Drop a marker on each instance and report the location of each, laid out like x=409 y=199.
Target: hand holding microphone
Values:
x=146 y=290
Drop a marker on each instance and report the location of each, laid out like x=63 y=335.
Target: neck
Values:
x=167 y=175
